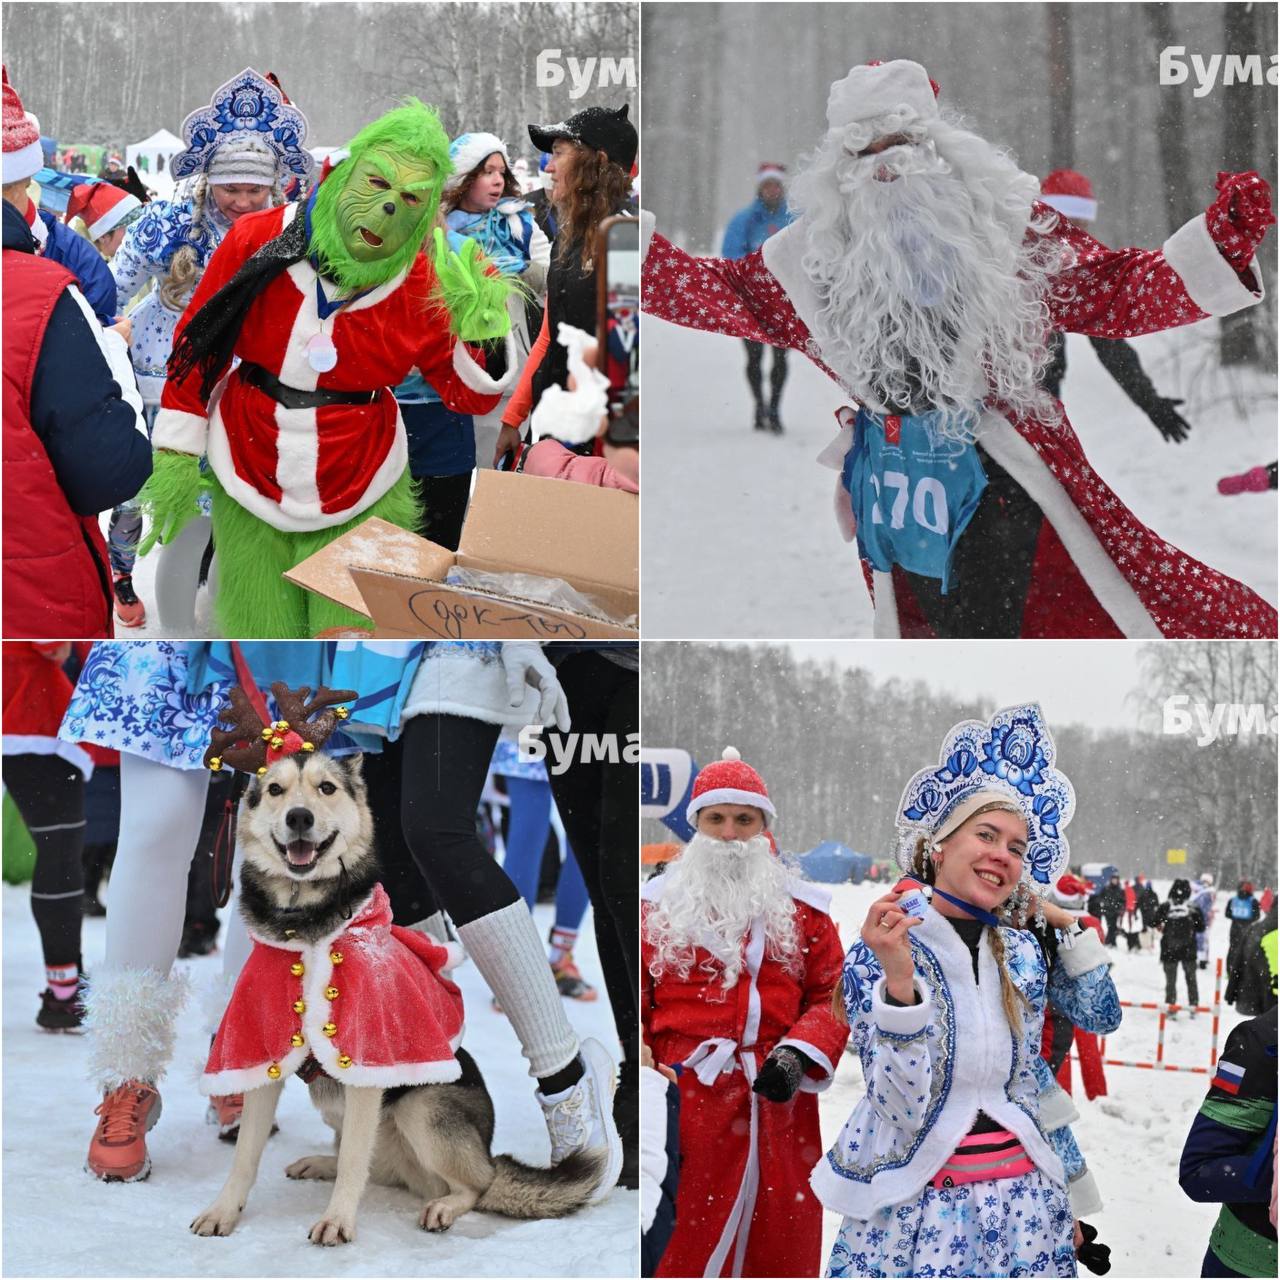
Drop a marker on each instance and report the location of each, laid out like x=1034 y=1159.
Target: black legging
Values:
x=777 y=374
x=443 y=767
x=49 y=794
x=599 y=805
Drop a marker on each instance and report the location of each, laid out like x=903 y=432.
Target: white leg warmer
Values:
x=513 y=961
x=130 y=1017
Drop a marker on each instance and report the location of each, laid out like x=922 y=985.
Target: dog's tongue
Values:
x=300 y=852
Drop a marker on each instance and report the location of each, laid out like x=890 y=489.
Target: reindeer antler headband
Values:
x=252 y=741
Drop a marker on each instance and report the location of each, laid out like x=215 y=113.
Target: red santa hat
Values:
x=101 y=206
x=730 y=780
x=770 y=172
x=880 y=88
x=1070 y=193
x=23 y=157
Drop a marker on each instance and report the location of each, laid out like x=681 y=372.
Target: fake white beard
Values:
x=932 y=290
x=714 y=891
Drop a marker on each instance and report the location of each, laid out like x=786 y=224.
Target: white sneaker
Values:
x=581 y=1118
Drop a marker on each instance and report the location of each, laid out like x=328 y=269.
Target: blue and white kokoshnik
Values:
x=246 y=104
x=1012 y=755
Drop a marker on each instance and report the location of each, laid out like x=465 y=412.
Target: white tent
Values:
x=159 y=150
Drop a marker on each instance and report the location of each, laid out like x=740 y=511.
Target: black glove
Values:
x=781 y=1074
x=1168 y=421
x=1096 y=1257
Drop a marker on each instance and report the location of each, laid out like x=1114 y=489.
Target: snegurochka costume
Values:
x=925 y=1187
x=328 y=304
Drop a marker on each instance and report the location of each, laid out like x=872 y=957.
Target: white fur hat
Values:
x=471 y=149
x=879 y=88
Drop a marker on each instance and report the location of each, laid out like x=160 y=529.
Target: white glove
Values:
x=526 y=665
x=648 y=224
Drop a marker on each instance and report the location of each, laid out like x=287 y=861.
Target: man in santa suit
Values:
x=925 y=276
x=740 y=960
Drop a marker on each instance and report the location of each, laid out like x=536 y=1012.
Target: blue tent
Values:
x=833 y=863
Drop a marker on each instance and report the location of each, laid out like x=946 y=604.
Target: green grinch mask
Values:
x=374 y=210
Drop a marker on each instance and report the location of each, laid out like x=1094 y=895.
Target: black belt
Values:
x=291 y=398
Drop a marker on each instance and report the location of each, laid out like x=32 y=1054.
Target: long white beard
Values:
x=714 y=892
x=932 y=293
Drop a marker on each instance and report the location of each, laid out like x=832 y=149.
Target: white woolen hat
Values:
x=879 y=89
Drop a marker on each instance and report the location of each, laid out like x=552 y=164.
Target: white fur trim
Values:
x=810 y=894
x=884 y=622
x=1056 y=1108
x=729 y=795
x=1085 y=953
x=31 y=744
x=807 y=1083
x=1086 y=1199
x=109 y=220
x=23 y=163
x=1209 y=279
x=131 y=1015
x=1072 y=206
x=474 y=376
x=900 y=1020
x=181 y=432
x=1016 y=455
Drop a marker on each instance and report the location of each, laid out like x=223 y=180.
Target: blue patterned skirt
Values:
x=1010 y=1227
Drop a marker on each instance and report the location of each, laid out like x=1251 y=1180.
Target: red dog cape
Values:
x=370 y=1002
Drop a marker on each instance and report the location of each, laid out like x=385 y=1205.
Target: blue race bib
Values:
x=913 y=492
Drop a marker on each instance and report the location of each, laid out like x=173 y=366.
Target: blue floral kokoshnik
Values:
x=247 y=104
x=1013 y=755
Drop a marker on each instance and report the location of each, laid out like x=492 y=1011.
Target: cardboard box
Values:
x=588 y=536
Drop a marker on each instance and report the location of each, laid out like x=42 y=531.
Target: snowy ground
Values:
x=58 y=1221
x=1131 y=1138
x=720 y=497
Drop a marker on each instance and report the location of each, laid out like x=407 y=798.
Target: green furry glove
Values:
x=477 y=301
x=170 y=497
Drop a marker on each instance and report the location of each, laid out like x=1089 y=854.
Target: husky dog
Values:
x=307 y=839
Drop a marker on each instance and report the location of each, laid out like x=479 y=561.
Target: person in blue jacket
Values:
x=1229 y=1155
x=748 y=229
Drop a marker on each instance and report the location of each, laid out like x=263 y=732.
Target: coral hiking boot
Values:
x=224 y=1111
x=118 y=1152
x=130 y=611
x=569 y=979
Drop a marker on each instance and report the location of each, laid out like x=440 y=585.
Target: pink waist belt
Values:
x=984 y=1157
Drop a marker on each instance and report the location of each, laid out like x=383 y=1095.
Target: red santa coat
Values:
x=744 y=1207
x=302 y=469
x=377 y=1008
x=1097 y=571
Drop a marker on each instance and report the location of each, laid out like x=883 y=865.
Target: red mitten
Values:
x=1238 y=219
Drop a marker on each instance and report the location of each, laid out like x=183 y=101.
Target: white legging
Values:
x=161 y=810
x=178 y=575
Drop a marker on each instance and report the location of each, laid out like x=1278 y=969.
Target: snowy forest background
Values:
x=105 y=73
x=1061 y=85
x=836 y=746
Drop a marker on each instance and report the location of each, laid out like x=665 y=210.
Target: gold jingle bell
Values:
x=277 y=743
x=282 y=726
x=330 y=1029
x=331 y=993
x=215 y=764
x=299 y=1006
x=341 y=712
x=297 y=1040
x=297 y=968
x=335 y=957
x=262 y=773
x=268 y=732
x=343 y=1060
x=274 y=1071
x=308 y=746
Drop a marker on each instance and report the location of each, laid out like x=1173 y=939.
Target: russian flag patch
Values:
x=1229 y=1077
